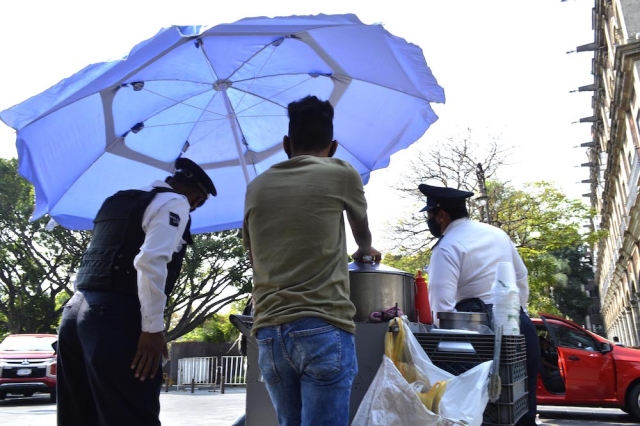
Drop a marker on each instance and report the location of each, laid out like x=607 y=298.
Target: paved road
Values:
x=202 y=408
x=213 y=409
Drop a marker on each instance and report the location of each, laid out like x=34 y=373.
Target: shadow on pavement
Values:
x=36 y=400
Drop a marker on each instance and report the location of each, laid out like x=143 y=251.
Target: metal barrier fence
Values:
x=235 y=369
x=206 y=371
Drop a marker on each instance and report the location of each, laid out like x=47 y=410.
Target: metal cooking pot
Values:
x=375 y=287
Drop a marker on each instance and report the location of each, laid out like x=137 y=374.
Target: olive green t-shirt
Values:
x=294 y=226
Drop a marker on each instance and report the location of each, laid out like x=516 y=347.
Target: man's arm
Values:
x=356 y=208
x=362 y=236
x=522 y=280
x=164 y=223
x=443 y=282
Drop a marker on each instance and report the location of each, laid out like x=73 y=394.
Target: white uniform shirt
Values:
x=463 y=265
x=163 y=222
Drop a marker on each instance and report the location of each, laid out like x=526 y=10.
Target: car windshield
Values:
x=27 y=343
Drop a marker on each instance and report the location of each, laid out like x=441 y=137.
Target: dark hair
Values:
x=455 y=211
x=310 y=123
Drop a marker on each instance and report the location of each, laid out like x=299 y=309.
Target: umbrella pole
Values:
x=233 y=121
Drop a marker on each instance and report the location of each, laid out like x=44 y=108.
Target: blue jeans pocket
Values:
x=266 y=362
x=319 y=350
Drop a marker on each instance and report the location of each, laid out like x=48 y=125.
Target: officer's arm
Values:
x=164 y=223
x=521 y=277
x=444 y=272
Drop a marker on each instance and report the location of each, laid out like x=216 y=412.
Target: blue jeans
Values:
x=308 y=366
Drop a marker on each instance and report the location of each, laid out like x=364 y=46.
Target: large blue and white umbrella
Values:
x=218 y=95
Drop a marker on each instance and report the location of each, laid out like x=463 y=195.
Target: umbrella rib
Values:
x=257 y=75
x=244 y=93
x=221 y=120
x=344 y=77
x=184 y=103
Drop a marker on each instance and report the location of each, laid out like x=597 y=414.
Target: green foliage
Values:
x=408 y=263
x=217 y=328
x=546 y=227
x=36 y=265
x=538 y=216
x=215 y=274
x=571 y=298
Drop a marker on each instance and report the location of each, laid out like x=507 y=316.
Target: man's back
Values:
x=473 y=249
x=295 y=227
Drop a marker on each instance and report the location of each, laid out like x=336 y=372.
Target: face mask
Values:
x=434 y=227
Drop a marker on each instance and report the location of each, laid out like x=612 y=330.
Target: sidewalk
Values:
x=203 y=407
x=177 y=408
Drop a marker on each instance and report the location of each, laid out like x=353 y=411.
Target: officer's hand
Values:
x=151 y=348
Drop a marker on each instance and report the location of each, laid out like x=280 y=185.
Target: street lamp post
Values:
x=483 y=199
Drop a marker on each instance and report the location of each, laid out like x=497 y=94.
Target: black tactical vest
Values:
x=107 y=264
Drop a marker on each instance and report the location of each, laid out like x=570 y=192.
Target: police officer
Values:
x=111 y=341
x=463 y=266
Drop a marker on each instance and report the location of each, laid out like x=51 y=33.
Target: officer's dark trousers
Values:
x=97 y=341
x=528 y=330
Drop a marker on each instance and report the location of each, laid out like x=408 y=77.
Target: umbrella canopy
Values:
x=218 y=95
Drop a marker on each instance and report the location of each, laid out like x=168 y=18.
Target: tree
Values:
x=571 y=298
x=450 y=162
x=408 y=263
x=215 y=273
x=541 y=221
x=218 y=328
x=36 y=265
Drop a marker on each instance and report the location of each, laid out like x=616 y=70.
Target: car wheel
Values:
x=27 y=394
x=53 y=396
x=633 y=401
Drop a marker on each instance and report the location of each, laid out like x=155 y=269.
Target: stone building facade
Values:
x=614 y=164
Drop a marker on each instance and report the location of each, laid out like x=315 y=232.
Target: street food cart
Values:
x=454 y=351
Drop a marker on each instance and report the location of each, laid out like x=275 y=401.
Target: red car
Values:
x=581 y=368
x=28 y=365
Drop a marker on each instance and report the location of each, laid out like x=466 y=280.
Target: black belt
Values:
x=473 y=305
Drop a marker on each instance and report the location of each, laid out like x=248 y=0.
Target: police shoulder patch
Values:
x=174 y=219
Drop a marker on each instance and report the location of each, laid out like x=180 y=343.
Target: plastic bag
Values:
x=407 y=388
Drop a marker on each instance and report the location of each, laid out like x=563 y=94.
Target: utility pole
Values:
x=483 y=199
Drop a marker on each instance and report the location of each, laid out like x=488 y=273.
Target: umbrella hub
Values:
x=222 y=85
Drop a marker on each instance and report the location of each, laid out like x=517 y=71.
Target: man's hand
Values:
x=151 y=348
x=367 y=254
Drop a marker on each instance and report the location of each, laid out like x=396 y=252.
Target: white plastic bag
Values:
x=392 y=401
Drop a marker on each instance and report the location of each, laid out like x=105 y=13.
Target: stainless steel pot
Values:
x=375 y=287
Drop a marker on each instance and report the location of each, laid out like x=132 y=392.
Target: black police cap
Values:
x=442 y=197
x=195 y=175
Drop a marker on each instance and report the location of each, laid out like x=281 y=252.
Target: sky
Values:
x=502 y=63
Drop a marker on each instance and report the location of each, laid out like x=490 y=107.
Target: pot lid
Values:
x=359 y=267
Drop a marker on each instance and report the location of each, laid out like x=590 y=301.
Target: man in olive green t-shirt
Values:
x=294 y=230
